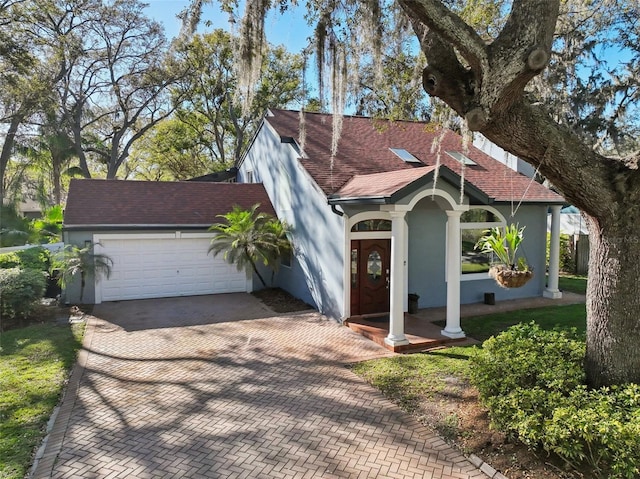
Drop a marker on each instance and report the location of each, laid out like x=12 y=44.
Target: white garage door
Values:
x=159 y=268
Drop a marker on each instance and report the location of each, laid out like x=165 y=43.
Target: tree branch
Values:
x=450 y=28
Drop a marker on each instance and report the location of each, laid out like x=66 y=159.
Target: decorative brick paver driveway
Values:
x=211 y=398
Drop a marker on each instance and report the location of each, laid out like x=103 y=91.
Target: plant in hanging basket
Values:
x=511 y=271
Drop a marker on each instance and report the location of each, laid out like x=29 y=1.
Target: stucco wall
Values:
x=316 y=273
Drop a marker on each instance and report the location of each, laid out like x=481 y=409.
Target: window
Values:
x=465 y=160
x=405 y=156
x=478 y=215
x=374 y=266
x=372 y=225
x=472 y=260
x=473 y=224
x=249 y=176
x=286 y=259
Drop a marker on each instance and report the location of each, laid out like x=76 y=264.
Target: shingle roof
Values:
x=364 y=149
x=381 y=184
x=155 y=203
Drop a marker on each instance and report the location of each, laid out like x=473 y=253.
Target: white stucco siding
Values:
x=316 y=274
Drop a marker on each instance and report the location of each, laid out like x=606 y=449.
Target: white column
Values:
x=396 y=335
x=552 y=290
x=454 y=253
x=405 y=281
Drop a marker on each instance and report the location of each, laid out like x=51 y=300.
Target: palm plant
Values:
x=73 y=261
x=248 y=237
x=503 y=243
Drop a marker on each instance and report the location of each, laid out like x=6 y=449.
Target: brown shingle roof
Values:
x=381 y=184
x=151 y=203
x=364 y=149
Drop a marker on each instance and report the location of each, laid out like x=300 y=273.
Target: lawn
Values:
x=34 y=365
x=572 y=283
x=566 y=317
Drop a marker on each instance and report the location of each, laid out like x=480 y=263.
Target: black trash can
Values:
x=413 y=303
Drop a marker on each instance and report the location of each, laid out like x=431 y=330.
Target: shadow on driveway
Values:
x=139 y=315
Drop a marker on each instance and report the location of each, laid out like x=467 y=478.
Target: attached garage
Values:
x=156 y=234
x=159 y=266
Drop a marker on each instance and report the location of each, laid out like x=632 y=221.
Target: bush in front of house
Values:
x=532 y=382
x=20 y=290
x=600 y=428
x=37 y=258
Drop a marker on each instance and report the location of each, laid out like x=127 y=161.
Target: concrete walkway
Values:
x=216 y=397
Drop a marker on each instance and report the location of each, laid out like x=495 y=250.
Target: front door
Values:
x=370 y=268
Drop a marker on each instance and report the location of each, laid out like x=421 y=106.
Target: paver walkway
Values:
x=258 y=398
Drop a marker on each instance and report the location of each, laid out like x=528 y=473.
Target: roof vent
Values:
x=405 y=156
x=465 y=160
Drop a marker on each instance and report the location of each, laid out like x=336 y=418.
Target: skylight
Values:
x=461 y=158
x=405 y=156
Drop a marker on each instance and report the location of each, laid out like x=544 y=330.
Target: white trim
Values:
x=493 y=210
x=175 y=235
x=349 y=235
x=367 y=215
x=437 y=192
x=474 y=276
x=355 y=235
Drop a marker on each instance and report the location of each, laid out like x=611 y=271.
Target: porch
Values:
x=422 y=333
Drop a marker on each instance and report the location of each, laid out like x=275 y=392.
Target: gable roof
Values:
x=120 y=203
x=365 y=146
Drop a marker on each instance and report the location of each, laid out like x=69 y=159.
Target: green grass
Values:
x=475 y=267
x=572 y=283
x=567 y=316
x=34 y=365
x=407 y=378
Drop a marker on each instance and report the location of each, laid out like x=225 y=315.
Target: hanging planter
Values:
x=511 y=271
x=509 y=278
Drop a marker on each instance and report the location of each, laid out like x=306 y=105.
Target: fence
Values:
x=582 y=254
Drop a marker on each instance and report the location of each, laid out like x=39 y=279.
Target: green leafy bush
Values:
x=532 y=382
x=9 y=260
x=600 y=428
x=20 y=289
x=527 y=356
x=37 y=258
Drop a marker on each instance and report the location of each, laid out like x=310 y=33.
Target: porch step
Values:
x=427 y=337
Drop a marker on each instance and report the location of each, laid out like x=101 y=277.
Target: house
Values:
x=156 y=234
x=395 y=211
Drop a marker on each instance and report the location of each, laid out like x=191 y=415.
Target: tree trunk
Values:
x=7 y=149
x=613 y=303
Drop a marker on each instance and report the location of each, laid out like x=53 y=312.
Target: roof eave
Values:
x=82 y=227
x=362 y=200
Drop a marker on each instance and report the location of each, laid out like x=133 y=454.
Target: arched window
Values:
x=372 y=225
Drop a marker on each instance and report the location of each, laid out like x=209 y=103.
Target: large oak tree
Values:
x=485 y=82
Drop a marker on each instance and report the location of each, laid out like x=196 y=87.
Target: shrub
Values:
x=9 y=260
x=20 y=289
x=600 y=428
x=567 y=253
x=37 y=258
x=532 y=382
x=527 y=356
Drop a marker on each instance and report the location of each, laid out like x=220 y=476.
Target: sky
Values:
x=289 y=29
